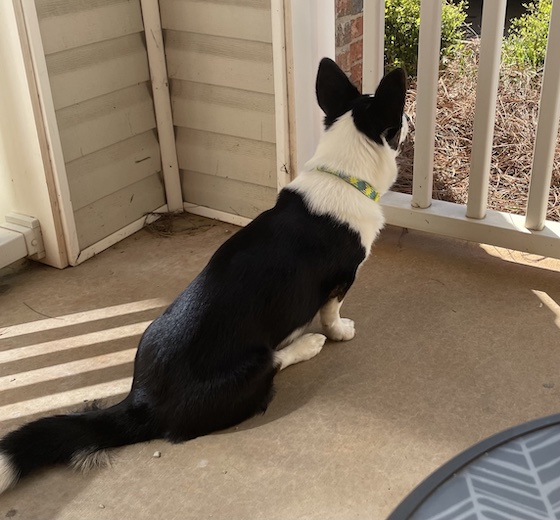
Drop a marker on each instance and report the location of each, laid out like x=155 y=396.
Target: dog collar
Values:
x=362 y=186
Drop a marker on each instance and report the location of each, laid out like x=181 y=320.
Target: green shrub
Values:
x=402 y=25
x=525 y=45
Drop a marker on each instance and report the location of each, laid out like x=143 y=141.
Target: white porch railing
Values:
x=532 y=232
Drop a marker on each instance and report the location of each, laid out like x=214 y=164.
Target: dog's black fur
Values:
x=208 y=361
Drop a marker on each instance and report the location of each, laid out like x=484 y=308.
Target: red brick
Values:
x=357 y=6
x=343 y=7
x=356 y=75
x=343 y=61
x=357 y=27
x=356 y=51
x=343 y=33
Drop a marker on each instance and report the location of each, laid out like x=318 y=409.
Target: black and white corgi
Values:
x=208 y=362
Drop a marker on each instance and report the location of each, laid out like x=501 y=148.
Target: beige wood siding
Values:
x=98 y=71
x=219 y=59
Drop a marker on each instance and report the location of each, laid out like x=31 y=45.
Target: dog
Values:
x=208 y=362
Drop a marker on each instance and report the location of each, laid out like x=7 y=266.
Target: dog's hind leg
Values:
x=335 y=327
x=302 y=349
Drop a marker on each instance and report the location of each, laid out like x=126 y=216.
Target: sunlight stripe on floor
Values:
x=81 y=340
x=72 y=399
x=81 y=317
x=72 y=368
x=550 y=303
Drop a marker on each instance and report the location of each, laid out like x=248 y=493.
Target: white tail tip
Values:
x=85 y=461
x=8 y=474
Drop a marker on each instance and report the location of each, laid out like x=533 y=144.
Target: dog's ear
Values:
x=335 y=92
x=390 y=98
x=381 y=116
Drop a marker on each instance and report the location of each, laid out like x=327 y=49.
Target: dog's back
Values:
x=214 y=346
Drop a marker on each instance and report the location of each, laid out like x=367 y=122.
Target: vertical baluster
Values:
x=428 y=73
x=493 y=17
x=547 y=127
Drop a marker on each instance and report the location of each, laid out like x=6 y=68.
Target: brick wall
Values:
x=349 y=35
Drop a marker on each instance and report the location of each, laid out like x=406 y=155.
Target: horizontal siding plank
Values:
x=213 y=18
x=102 y=218
x=97 y=175
x=229 y=97
x=220 y=61
x=97 y=69
x=46 y=8
x=228 y=195
x=227 y=156
x=97 y=123
x=223 y=110
x=50 y=8
x=94 y=23
x=255 y=4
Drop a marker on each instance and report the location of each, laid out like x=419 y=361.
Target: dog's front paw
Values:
x=342 y=330
x=310 y=345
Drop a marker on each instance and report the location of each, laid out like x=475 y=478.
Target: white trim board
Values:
x=119 y=235
x=12 y=247
x=215 y=214
x=155 y=50
x=283 y=167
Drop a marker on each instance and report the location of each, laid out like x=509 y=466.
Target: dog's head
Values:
x=379 y=116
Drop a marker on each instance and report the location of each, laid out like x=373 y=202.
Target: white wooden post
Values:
x=162 y=104
x=283 y=165
x=374 y=44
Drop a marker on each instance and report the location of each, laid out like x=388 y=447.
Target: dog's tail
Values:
x=76 y=439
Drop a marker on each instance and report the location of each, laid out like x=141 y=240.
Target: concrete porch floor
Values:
x=455 y=342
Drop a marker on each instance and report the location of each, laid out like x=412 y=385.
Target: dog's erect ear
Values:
x=380 y=116
x=391 y=95
x=334 y=90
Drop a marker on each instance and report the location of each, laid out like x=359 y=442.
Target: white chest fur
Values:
x=329 y=195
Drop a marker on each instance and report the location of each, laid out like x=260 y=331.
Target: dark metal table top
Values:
x=513 y=475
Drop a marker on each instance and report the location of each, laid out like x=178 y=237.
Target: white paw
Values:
x=342 y=330
x=309 y=345
x=302 y=349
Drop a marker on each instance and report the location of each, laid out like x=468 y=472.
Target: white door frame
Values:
x=28 y=180
x=47 y=127
x=311 y=38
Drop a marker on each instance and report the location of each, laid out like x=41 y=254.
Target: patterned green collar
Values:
x=362 y=186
